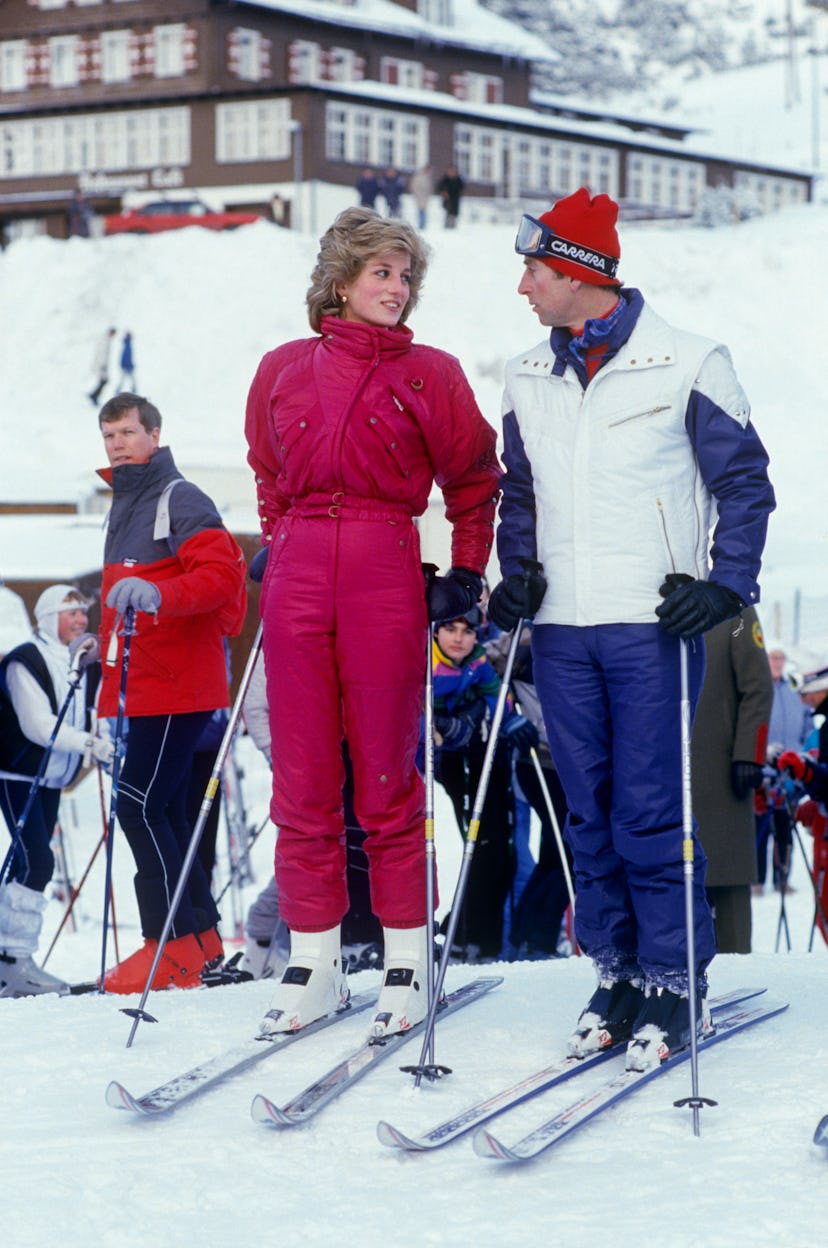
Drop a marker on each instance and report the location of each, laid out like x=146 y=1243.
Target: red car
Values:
x=174 y=214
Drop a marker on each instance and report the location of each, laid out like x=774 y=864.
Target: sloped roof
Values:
x=474 y=26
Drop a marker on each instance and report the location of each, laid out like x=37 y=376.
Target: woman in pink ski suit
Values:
x=348 y=430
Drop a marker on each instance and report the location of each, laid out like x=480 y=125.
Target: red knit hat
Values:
x=587 y=225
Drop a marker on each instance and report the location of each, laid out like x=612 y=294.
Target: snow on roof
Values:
x=473 y=26
x=692 y=148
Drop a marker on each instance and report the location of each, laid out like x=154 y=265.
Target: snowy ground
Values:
x=78 y=1173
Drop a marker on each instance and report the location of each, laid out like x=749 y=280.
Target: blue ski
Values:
x=729 y=1022
x=524 y=1090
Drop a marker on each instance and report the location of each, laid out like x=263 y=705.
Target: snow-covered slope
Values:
x=76 y=1173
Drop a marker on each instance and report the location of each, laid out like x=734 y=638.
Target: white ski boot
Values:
x=312 y=985
x=21 y=918
x=265 y=959
x=403 y=1001
x=21 y=977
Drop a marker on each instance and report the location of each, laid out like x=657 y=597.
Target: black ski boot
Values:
x=608 y=1017
x=663 y=1027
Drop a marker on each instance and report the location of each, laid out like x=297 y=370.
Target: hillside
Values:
x=650 y=47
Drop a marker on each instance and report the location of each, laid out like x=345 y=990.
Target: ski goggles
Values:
x=539 y=240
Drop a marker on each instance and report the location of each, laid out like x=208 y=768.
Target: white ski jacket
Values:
x=618 y=484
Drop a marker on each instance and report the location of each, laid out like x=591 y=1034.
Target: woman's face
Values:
x=379 y=292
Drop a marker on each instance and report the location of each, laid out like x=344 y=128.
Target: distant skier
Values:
x=127 y=362
x=100 y=365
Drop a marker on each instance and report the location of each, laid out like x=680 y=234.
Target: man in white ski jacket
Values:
x=625 y=441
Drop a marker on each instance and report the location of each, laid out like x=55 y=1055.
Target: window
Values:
x=63 y=61
x=168 y=46
x=53 y=146
x=440 y=12
x=253 y=130
x=115 y=56
x=402 y=73
x=479 y=88
x=373 y=136
x=304 y=62
x=13 y=65
x=344 y=65
x=666 y=183
x=245 y=58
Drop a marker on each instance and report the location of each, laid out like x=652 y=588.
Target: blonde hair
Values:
x=355 y=238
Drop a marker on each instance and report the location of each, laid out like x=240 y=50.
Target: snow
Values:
x=203 y=308
x=78 y=1171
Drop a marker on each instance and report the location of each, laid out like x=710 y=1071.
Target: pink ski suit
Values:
x=347 y=434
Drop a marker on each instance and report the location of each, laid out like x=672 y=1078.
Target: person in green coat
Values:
x=729 y=744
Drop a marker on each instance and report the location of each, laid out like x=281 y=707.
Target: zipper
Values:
x=666 y=535
x=652 y=411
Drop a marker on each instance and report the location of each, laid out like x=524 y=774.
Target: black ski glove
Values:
x=521 y=733
x=450 y=596
x=518 y=596
x=691 y=608
x=258 y=565
x=745 y=777
x=456 y=730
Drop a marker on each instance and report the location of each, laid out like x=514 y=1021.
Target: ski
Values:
x=331 y=1085
x=821 y=1133
x=729 y=1022
x=227 y=1065
x=524 y=1090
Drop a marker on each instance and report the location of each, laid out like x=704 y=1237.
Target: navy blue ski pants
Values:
x=152 y=810
x=611 y=699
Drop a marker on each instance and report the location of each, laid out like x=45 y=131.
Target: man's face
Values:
x=127 y=441
x=776 y=659
x=552 y=296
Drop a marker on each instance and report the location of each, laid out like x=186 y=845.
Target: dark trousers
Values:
x=544 y=900
x=33 y=861
x=492 y=865
x=152 y=810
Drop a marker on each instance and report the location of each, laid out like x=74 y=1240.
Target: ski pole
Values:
x=428 y=769
x=233 y=868
x=424 y=1067
x=75 y=893
x=694 y=1100
x=139 y=1013
x=111 y=661
x=75 y=673
x=553 y=818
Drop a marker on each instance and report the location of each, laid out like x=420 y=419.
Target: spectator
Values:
x=80 y=215
x=421 y=186
x=790 y=723
x=625 y=440
x=450 y=189
x=127 y=363
x=347 y=431
x=34 y=685
x=730 y=735
x=100 y=365
x=168 y=557
x=392 y=185
x=466 y=688
x=368 y=188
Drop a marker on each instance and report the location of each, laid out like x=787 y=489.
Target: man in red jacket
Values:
x=168 y=557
